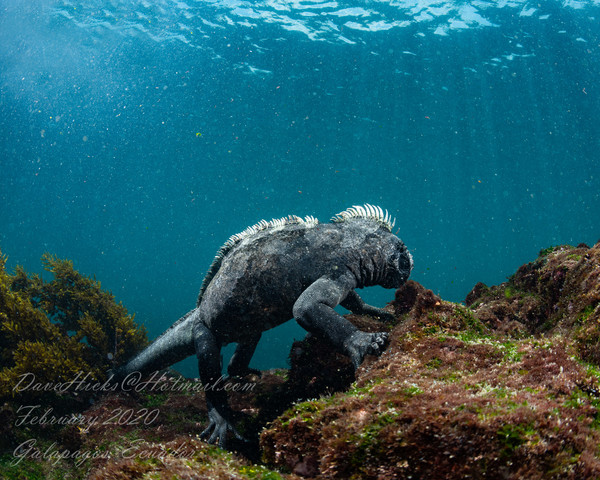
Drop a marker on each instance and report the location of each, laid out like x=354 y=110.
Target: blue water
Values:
x=136 y=136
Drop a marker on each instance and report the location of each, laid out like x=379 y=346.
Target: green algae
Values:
x=60 y=330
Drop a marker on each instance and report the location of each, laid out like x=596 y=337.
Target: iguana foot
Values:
x=217 y=429
x=361 y=343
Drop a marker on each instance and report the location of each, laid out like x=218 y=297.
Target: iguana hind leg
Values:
x=238 y=365
x=208 y=351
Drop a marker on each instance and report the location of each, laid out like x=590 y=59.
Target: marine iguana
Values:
x=271 y=272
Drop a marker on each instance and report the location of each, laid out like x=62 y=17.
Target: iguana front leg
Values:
x=357 y=305
x=208 y=351
x=314 y=311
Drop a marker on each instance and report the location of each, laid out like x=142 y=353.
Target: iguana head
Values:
x=378 y=256
x=398 y=263
x=383 y=259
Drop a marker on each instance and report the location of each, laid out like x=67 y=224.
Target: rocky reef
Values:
x=504 y=386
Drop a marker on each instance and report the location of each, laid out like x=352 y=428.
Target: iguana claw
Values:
x=361 y=343
x=217 y=429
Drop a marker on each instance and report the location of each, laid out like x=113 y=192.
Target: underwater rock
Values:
x=497 y=390
x=317 y=368
x=507 y=387
x=557 y=293
x=413 y=295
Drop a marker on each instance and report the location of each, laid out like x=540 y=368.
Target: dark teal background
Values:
x=137 y=136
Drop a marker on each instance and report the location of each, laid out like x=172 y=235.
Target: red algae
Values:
x=499 y=389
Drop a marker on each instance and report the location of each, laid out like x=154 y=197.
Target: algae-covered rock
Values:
x=558 y=292
x=499 y=390
x=506 y=387
x=160 y=439
x=151 y=432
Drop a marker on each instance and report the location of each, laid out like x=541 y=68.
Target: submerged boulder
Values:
x=506 y=387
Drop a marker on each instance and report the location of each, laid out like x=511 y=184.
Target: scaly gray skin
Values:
x=275 y=271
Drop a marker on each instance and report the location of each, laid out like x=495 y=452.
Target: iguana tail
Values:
x=174 y=345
